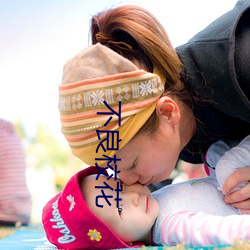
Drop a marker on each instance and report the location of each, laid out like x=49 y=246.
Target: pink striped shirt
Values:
x=15 y=200
x=202 y=229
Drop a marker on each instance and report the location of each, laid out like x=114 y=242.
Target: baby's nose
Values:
x=131 y=197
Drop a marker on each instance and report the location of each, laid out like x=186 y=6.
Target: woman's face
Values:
x=149 y=159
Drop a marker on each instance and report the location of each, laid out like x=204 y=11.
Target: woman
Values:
x=206 y=96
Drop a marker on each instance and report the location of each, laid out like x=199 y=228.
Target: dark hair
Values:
x=137 y=35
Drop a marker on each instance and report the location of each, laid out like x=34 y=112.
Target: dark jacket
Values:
x=217 y=67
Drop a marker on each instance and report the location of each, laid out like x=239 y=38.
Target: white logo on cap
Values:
x=71 y=201
x=67 y=237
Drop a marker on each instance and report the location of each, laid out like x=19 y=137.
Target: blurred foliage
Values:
x=45 y=150
x=20 y=130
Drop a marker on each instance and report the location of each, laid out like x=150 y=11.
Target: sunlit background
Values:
x=36 y=39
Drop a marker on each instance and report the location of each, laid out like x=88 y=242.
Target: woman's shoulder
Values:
x=209 y=65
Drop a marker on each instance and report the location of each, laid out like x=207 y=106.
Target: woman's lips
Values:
x=148 y=183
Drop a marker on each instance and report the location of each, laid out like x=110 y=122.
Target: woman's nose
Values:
x=128 y=178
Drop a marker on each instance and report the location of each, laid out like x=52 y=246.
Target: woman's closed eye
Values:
x=121 y=185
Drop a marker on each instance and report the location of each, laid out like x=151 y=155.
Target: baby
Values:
x=85 y=215
x=70 y=223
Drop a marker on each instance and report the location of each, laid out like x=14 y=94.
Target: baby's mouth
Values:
x=147 y=203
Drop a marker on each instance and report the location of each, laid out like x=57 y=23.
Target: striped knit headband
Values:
x=104 y=101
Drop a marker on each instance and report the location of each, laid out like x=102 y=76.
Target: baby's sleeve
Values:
x=233 y=159
x=201 y=229
x=214 y=153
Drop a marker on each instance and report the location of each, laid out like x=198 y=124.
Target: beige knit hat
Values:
x=104 y=100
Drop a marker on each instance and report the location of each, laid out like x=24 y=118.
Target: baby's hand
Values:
x=240 y=198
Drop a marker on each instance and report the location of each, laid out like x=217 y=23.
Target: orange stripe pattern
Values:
x=79 y=103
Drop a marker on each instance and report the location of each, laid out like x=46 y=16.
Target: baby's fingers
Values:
x=245 y=211
x=239 y=198
x=237 y=177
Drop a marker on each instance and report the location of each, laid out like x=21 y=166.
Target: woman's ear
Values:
x=168 y=109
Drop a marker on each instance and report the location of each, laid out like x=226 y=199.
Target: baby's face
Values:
x=136 y=213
